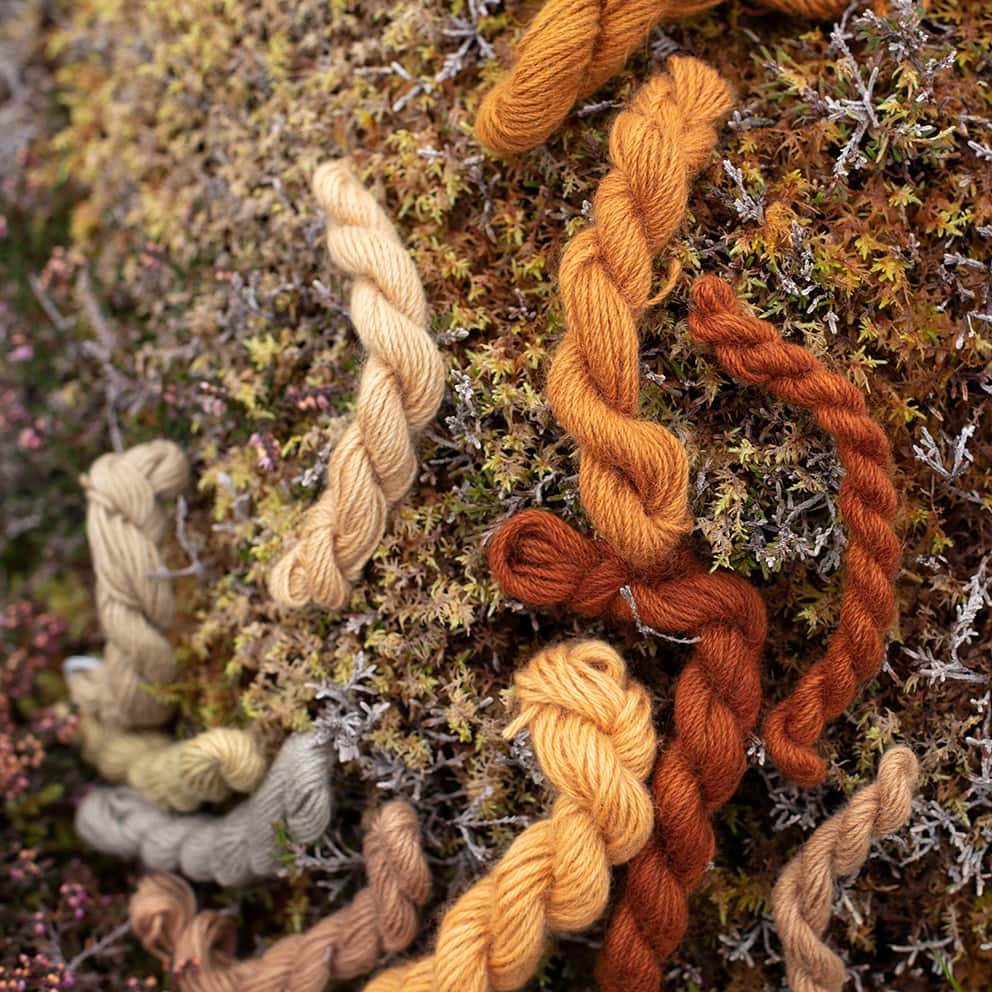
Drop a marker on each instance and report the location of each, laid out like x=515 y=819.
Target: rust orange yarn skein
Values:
x=633 y=473
x=540 y=560
x=573 y=47
x=752 y=351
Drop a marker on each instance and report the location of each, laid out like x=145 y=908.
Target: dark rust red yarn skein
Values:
x=752 y=351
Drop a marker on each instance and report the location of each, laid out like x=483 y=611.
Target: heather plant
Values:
x=163 y=274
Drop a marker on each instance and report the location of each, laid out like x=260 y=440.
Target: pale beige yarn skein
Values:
x=126 y=519
x=401 y=387
x=804 y=894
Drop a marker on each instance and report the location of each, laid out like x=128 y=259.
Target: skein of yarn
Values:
x=197 y=948
x=752 y=351
x=231 y=849
x=177 y=775
x=633 y=473
x=571 y=49
x=125 y=522
x=540 y=560
x=804 y=894
x=375 y=462
x=590 y=726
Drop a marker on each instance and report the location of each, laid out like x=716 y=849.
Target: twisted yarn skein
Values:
x=231 y=849
x=177 y=775
x=633 y=473
x=540 y=560
x=125 y=522
x=382 y=918
x=571 y=49
x=590 y=726
x=804 y=894
x=752 y=351
x=402 y=383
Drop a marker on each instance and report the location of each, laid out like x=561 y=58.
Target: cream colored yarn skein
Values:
x=401 y=387
x=126 y=520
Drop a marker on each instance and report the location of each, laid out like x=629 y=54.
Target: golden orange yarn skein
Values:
x=571 y=49
x=633 y=473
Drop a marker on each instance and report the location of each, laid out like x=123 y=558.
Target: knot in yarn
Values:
x=125 y=521
x=633 y=473
x=592 y=736
x=198 y=948
x=573 y=47
x=177 y=775
x=753 y=351
x=540 y=560
x=803 y=897
x=581 y=693
x=401 y=386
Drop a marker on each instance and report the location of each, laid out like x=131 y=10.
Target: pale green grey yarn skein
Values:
x=231 y=849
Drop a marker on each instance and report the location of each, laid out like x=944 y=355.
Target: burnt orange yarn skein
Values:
x=633 y=473
x=573 y=47
x=752 y=351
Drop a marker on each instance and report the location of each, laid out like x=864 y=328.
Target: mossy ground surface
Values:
x=163 y=274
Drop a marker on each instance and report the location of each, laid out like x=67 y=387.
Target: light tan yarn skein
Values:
x=375 y=462
x=804 y=894
x=126 y=520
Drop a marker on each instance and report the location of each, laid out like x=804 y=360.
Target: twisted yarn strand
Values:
x=382 y=918
x=125 y=523
x=402 y=383
x=231 y=849
x=752 y=351
x=178 y=775
x=540 y=560
x=571 y=49
x=804 y=894
x=633 y=473
x=590 y=726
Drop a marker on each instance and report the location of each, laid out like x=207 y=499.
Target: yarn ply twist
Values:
x=382 y=918
x=571 y=49
x=591 y=731
x=232 y=849
x=540 y=560
x=402 y=383
x=752 y=351
x=177 y=775
x=633 y=474
x=125 y=522
x=804 y=893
